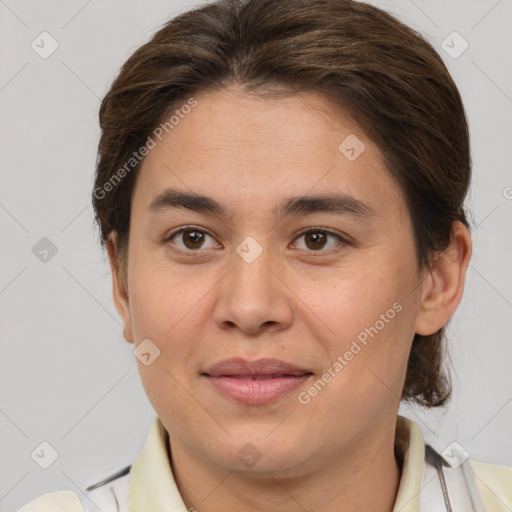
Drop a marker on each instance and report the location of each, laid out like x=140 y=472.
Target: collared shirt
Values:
x=150 y=485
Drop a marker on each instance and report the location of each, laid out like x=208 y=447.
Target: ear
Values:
x=120 y=295
x=444 y=283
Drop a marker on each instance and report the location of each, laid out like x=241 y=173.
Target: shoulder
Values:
x=109 y=495
x=495 y=485
x=53 y=502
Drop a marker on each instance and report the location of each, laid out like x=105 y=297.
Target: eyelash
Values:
x=342 y=240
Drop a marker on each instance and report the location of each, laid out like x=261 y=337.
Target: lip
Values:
x=256 y=382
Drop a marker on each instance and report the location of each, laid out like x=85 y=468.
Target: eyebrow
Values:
x=340 y=204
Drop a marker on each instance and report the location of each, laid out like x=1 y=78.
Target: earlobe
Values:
x=444 y=283
x=119 y=293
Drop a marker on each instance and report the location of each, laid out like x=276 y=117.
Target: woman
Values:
x=280 y=190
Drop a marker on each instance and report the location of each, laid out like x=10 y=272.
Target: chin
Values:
x=252 y=453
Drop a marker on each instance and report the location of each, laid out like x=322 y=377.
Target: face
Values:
x=302 y=252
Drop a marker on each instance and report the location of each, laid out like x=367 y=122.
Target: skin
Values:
x=300 y=302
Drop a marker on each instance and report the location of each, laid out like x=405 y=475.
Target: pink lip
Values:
x=256 y=382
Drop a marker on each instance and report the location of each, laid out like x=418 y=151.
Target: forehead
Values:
x=246 y=122
x=233 y=145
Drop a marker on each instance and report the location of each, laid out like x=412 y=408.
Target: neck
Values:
x=365 y=477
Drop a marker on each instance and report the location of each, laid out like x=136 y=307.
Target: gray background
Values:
x=67 y=376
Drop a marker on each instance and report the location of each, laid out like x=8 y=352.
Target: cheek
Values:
x=164 y=307
x=163 y=298
x=365 y=322
x=348 y=303
x=163 y=313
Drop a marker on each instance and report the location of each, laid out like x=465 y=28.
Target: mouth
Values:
x=255 y=382
x=260 y=377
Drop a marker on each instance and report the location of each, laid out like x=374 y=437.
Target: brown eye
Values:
x=190 y=239
x=316 y=240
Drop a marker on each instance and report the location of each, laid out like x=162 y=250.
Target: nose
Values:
x=253 y=296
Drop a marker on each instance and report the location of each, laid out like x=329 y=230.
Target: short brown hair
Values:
x=384 y=74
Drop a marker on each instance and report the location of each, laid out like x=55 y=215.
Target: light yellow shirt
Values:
x=150 y=485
